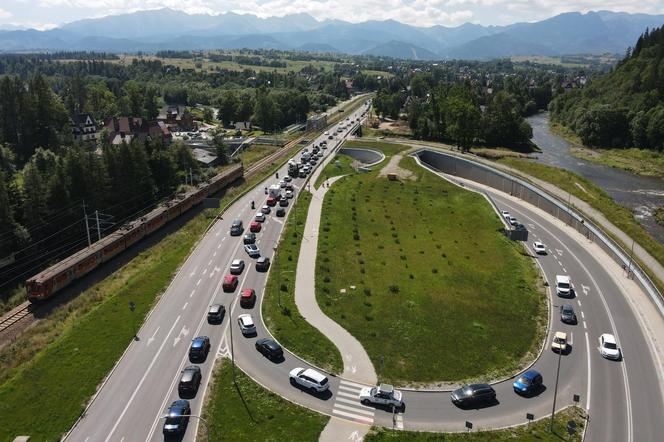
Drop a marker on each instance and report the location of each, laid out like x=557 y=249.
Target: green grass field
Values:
x=638 y=161
x=439 y=294
x=340 y=165
x=252 y=413
x=280 y=313
x=537 y=431
x=620 y=216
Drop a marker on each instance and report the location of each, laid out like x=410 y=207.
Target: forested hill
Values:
x=624 y=108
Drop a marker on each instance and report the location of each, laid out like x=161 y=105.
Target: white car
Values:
x=288 y=179
x=237 y=266
x=326 y=133
x=282 y=184
x=309 y=379
x=246 y=323
x=324 y=146
x=539 y=248
x=505 y=214
x=260 y=217
x=252 y=250
x=266 y=209
x=289 y=194
x=513 y=221
x=384 y=394
x=608 y=347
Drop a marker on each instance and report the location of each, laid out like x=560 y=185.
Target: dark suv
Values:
x=473 y=394
x=216 y=313
x=237 y=228
x=199 y=348
x=177 y=418
x=189 y=382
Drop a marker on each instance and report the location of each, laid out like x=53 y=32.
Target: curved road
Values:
x=624 y=398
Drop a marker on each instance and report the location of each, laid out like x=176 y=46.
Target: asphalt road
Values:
x=138 y=392
x=624 y=398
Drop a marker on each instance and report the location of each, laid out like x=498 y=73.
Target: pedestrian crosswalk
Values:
x=347 y=403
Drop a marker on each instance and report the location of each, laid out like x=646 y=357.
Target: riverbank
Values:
x=643 y=162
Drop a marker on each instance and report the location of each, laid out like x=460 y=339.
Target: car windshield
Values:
x=610 y=345
x=524 y=380
x=560 y=340
x=173 y=419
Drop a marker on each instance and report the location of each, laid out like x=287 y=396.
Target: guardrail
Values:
x=452 y=164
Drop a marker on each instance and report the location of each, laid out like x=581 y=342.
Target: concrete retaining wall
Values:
x=369 y=157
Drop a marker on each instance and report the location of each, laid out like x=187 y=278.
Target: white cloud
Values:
x=415 y=12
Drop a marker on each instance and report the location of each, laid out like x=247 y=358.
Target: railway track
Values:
x=15 y=316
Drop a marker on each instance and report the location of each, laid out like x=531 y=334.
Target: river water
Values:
x=638 y=193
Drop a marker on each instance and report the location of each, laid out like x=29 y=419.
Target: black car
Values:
x=250 y=238
x=189 y=382
x=216 y=313
x=281 y=212
x=237 y=228
x=269 y=348
x=567 y=314
x=473 y=394
x=199 y=348
x=177 y=418
x=262 y=264
x=283 y=202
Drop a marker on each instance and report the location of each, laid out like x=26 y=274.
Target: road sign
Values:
x=469 y=425
x=530 y=416
x=576 y=398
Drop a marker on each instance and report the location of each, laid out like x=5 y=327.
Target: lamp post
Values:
x=207 y=426
x=555 y=391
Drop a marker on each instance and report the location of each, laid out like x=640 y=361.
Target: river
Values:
x=638 y=193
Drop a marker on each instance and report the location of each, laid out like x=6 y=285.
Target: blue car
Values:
x=528 y=383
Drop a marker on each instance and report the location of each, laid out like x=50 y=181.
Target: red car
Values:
x=255 y=226
x=248 y=298
x=230 y=283
x=271 y=201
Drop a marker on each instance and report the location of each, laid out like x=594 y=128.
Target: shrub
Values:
x=394 y=289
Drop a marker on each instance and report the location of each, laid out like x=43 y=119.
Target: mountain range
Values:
x=147 y=31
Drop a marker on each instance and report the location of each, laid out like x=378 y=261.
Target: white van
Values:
x=563 y=286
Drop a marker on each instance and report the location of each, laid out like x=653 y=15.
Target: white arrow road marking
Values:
x=216 y=269
x=184 y=332
x=585 y=289
x=349 y=357
x=193 y=272
x=151 y=338
x=353 y=369
x=559 y=252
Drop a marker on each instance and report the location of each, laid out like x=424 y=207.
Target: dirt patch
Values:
x=393 y=167
x=397 y=127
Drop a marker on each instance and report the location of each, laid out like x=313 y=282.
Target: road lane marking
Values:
x=204 y=271
x=210 y=262
x=183 y=332
x=185 y=305
x=192 y=293
x=356 y=410
x=352 y=415
x=354 y=384
x=193 y=272
x=351 y=389
x=589 y=372
x=564 y=270
x=583 y=315
x=355 y=402
x=198 y=282
x=214 y=254
x=350 y=395
x=399 y=421
x=151 y=338
x=584 y=324
x=138 y=387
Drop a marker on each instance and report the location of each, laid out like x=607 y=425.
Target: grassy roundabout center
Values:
x=417 y=271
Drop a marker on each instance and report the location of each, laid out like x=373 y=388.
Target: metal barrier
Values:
x=455 y=165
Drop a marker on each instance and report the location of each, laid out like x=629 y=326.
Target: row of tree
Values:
x=624 y=108
x=41 y=206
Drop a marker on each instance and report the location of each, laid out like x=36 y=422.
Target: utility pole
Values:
x=232 y=352
x=98 y=229
x=87 y=227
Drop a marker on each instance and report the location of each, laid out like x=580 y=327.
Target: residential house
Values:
x=242 y=125
x=177 y=118
x=84 y=128
x=126 y=129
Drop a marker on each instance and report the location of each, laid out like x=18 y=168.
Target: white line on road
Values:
x=583 y=315
x=356 y=410
x=151 y=338
x=589 y=379
x=192 y=293
x=353 y=416
x=210 y=262
x=214 y=254
x=198 y=282
x=219 y=246
x=138 y=387
x=584 y=324
x=185 y=305
x=204 y=271
x=564 y=270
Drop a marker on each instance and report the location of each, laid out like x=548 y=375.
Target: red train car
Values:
x=46 y=283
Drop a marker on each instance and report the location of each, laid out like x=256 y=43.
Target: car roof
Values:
x=530 y=374
x=262 y=259
x=178 y=406
x=236 y=261
x=560 y=334
x=246 y=319
x=607 y=337
x=313 y=374
x=562 y=278
x=386 y=388
x=229 y=278
x=247 y=292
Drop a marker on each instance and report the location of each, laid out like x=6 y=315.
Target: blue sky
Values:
x=43 y=14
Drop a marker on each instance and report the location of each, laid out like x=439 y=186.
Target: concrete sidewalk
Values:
x=357 y=365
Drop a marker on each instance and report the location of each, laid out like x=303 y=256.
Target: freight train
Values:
x=48 y=282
